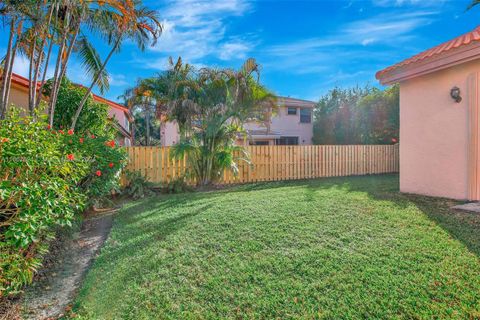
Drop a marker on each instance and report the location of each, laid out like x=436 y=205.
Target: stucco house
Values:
x=19 y=98
x=292 y=124
x=439 y=118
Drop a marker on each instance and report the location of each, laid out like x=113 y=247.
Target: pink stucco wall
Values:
x=288 y=125
x=169 y=134
x=434 y=133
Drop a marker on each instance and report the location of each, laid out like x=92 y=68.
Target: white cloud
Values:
x=400 y=3
x=316 y=55
x=117 y=80
x=197 y=29
x=237 y=49
x=21 y=65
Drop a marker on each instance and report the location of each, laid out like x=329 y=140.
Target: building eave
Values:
x=445 y=60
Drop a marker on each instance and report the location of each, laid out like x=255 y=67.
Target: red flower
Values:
x=81 y=140
x=98 y=173
x=49 y=127
x=110 y=164
x=61 y=131
x=93 y=136
x=394 y=140
x=70 y=132
x=111 y=143
x=70 y=156
x=5 y=139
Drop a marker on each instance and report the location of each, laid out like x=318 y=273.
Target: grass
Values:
x=344 y=248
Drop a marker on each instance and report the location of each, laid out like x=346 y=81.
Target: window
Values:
x=259 y=143
x=285 y=141
x=291 y=111
x=305 y=115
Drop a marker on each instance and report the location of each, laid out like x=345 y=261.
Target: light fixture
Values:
x=455 y=94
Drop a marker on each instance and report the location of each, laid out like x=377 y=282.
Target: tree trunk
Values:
x=56 y=83
x=36 y=97
x=44 y=76
x=6 y=70
x=89 y=91
x=63 y=69
x=147 y=125
x=31 y=89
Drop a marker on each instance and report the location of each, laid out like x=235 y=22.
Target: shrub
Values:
x=38 y=189
x=46 y=177
x=94 y=118
x=137 y=187
x=105 y=163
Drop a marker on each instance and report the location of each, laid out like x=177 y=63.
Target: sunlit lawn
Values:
x=334 y=248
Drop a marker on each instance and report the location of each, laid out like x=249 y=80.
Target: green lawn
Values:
x=341 y=248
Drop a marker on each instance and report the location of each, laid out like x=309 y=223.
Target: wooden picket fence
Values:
x=275 y=163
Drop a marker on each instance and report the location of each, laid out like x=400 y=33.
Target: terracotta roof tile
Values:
x=462 y=40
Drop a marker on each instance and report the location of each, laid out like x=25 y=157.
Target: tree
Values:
x=95 y=120
x=210 y=107
x=357 y=116
x=36 y=26
x=131 y=21
x=146 y=99
x=12 y=15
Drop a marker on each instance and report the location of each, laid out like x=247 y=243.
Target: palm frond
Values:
x=92 y=63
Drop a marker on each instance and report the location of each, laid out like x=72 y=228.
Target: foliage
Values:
x=147 y=132
x=94 y=120
x=137 y=186
x=38 y=189
x=145 y=100
x=338 y=248
x=36 y=28
x=46 y=177
x=178 y=185
x=357 y=116
x=210 y=107
x=105 y=161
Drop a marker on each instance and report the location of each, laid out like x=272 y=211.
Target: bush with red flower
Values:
x=47 y=176
x=39 y=189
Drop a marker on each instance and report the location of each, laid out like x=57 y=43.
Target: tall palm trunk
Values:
x=9 y=76
x=31 y=67
x=6 y=70
x=44 y=71
x=34 y=96
x=63 y=70
x=55 y=83
x=147 y=125
x=95 y=79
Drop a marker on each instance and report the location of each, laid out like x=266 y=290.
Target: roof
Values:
x=460 y=49
x=292 y=102
x=24 y=82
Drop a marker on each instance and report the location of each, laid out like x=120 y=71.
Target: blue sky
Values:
x=305 y=48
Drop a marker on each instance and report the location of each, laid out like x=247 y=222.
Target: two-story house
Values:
x=291 y=124
x=19 y=97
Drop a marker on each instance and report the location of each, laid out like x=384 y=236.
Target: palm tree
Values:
x=211 y=107
x=12 y=15
x=144 y=96
x=129 y=20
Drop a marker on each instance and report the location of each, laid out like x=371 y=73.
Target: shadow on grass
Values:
x=463 y=226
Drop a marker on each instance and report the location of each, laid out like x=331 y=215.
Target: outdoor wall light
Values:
x=455 y=94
